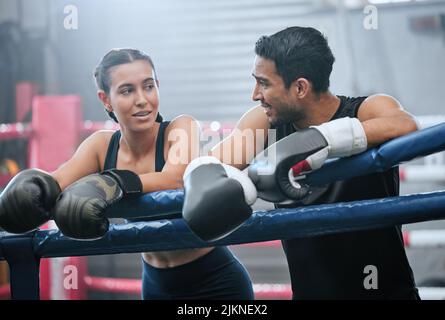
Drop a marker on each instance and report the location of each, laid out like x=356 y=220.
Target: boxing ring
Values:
x=24 y=252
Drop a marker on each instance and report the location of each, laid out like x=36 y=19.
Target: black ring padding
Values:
x=261 y=226
x=416 y=144
x=150 y=206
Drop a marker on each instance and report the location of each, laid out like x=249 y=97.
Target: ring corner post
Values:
x=23 y=267
x=56 y=123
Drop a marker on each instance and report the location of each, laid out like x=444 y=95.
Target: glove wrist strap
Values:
x=345 y=136
x=129 y=182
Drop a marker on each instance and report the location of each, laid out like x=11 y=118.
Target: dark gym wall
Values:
x=203 y=50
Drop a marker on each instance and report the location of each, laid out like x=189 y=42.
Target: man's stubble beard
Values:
x=287 y=114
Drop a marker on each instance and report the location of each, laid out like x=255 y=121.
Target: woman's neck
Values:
x=139 y=143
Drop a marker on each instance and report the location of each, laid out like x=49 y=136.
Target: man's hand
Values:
x=275 y=171
x=344 y=137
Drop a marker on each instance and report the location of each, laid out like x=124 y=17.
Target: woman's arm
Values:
x=182 y=146
x=85 y=160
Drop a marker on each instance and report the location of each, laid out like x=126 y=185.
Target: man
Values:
x=292 y=70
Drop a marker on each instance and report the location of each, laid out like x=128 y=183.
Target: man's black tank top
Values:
x=336 y=266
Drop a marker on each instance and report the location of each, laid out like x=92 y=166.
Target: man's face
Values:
x=279 y=104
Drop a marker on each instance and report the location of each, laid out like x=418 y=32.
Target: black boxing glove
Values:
x=277 y=171
x=345 y=137
x=217 y=198
x=271 y=170
x=27 y=200
x=79 y=211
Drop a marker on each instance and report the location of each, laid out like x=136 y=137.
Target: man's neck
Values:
x=320 y=108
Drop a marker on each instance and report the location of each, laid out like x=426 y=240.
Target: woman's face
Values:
x=134 y=94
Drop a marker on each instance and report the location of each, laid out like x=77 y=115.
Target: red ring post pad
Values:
x=416 y=144
x=261 y=226
x=150 y=206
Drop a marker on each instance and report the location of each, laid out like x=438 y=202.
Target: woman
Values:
x=128 y=88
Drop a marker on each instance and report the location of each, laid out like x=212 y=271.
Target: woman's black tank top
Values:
x=113 y=148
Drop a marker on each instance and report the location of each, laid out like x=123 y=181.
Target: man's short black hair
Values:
x=299 y=52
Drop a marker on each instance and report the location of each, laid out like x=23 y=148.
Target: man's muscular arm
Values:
x=383 y=119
